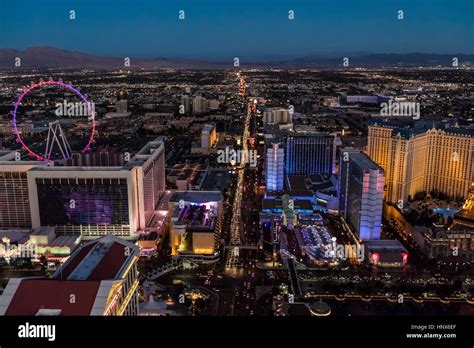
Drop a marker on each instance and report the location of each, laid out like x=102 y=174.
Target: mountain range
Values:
x=51 y=57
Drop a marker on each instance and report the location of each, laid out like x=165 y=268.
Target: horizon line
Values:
x=329 y=54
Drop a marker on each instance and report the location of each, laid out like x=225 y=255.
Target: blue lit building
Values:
x=361 y=188
x=310 y=154
x=275 y=166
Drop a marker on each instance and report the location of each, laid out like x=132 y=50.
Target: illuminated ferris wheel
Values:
x=56 y=135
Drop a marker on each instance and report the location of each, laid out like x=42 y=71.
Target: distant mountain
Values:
x=384 y=59
x=50 y=57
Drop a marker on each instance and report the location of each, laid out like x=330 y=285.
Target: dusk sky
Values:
x=247 y=28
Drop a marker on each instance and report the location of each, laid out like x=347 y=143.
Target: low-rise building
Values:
x=100 y=278
x=195 y=222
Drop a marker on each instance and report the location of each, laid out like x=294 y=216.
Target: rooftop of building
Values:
x=146 y=152
x=44 y=231
x=64 y=241
x=197 y=217
x=100 y=259
x=216 y=180
x=312 y=183
x=188 y=166
x=277 y=131
x=364 y=161
x=33 y=296
x=193 y=173
x=196 y=196
x=297 y=182
x=384 y=245
x=292 y=193
x=208 y=127
x=272 y=108
x=79 y=169
x=276 y=204
x=7 y=153
x=82 y=275
x=271 y=141
x=8 y=160
x=409 y=127
x=310 y=134
x=139 y=159
x=321 y=179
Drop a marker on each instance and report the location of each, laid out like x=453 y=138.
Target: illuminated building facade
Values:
x=361 y=193
x=420 y=157
x=100 y=278
x=93 y=204
x=186 y=102
x=277 y=116
x=310 y=153
x=14 y=193
x=386 y=253
x=275 y=166
x=195 y=222
x=95 y=201
x=199 y=105
x=150 y=161
x=454 y=243
x=208 y=135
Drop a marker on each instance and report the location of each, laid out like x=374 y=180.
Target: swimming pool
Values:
x=445 y=211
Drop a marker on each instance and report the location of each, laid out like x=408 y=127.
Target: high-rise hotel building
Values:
x=150 y=161
x=420 y=156
x=361 y=193
x=277 y=116
x=310 y=153
x=208 y=135
x=274 y=164
x=95 y=201
x=14 y=195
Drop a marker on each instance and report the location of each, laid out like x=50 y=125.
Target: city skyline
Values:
x=214 y=32
x=190 y=164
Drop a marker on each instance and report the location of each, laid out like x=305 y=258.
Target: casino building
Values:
x=14 y=195
x=100 y=278
x=361 y=193
x=310 y=153
x=195 y=223
x=95 y=201
x=422 y=156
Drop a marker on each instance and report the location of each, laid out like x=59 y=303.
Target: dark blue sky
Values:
x=216 y=29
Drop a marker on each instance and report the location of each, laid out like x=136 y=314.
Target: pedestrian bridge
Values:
x=171 y=266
